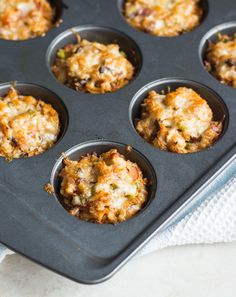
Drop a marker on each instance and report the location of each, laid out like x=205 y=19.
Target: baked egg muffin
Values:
x=25 y=19
x=163 y=17
x=180 y=121
x=92 y=67
x=28 y=126
x=221 y=59
x=102 y=189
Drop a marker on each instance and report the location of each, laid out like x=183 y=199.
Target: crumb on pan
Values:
x=25 y=19
x=221 y=59
x=49 y=188
x=180 y=121
x=28 y=126
x=163 y=17
x=128 y=148
x=102 y=189
x=92 y=67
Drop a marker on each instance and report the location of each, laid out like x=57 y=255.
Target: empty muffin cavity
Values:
x=103 y=182
x=94 y=59
x=179 y=116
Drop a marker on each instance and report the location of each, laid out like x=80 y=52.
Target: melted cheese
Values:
x=165 y=17
x=28 y=126
x=93 y=67
x=112 y=190
x=221 y=59
x=24 y=19
x=184 y=121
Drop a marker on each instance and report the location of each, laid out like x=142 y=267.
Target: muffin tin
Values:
x=33 y=222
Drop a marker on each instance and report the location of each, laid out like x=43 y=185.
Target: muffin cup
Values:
x=217 y=105
x=44 y=94
x=104 y=35
x=99 y=147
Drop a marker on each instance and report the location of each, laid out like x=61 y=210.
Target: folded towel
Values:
x=211 y=218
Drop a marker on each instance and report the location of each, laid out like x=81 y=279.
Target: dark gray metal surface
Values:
x=34 y=223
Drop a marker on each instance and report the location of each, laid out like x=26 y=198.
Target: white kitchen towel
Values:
x=213 y=221
x=210 y=219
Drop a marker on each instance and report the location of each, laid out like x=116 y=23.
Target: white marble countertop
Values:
x=206 y=271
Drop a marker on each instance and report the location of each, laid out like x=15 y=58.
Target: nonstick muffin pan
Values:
x=34 y=223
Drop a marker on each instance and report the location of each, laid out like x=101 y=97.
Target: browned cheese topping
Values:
x=221 y=59
x=180 y=121
x=25 y=19
x=163 y=17
x=28 y=126
x=92 y=67
x=103 y=189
